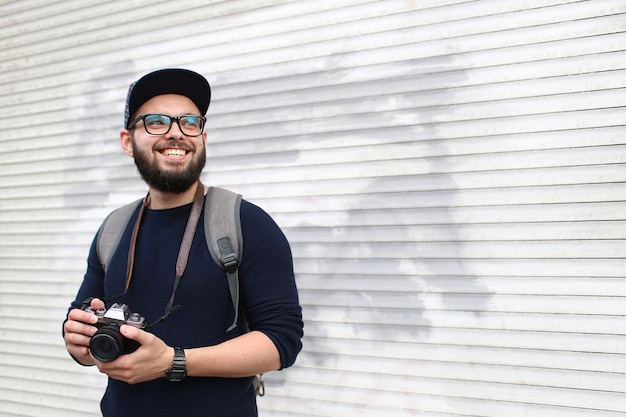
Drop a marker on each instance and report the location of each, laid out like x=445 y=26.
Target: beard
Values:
x=174 y=181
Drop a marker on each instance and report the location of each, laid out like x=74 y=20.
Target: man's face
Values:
x=172 y=162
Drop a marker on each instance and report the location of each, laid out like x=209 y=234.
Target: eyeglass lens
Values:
x=158 y=124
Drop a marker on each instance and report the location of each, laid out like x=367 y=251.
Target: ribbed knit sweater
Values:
x=267 y=290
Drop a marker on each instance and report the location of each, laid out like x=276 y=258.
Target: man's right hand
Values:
x=78 y=329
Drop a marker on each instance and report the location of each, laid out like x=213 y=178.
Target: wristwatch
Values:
x=178 y=371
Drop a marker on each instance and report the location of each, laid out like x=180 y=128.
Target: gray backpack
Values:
x=222 y=231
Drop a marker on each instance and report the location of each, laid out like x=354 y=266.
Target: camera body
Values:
x=107 y=344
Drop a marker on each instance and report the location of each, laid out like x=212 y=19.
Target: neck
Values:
x=160 y=200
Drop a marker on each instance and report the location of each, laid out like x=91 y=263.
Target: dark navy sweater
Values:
x=267 y=290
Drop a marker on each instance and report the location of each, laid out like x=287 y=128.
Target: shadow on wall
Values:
x=414 y=281
x=97 y=153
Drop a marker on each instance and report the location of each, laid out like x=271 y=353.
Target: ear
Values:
x=126 y=141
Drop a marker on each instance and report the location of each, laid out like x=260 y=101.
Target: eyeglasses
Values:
x=160 y=124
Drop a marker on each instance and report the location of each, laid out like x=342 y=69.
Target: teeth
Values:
x=174 y=152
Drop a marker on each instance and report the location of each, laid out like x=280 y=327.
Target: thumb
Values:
x=133 y=333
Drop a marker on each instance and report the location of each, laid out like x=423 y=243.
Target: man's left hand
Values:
x=150 y=361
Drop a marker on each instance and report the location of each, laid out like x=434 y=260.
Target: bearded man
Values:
x=193 y=361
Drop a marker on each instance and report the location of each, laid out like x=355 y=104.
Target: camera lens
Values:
x=107 y=344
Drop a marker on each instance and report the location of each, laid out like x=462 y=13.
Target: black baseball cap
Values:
x=168 y=81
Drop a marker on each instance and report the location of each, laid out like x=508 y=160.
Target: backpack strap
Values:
x=222 y=229
x=112 y=230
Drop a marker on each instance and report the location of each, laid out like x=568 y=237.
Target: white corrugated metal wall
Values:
x=450 y=174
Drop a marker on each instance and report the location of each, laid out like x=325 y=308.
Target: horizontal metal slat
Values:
x=435 y=268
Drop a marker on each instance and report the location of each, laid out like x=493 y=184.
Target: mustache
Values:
x=173 y=145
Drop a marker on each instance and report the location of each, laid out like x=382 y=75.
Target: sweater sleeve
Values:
x=92 y=285
x=268 y=287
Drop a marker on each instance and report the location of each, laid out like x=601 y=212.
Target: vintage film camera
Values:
x=107 y=344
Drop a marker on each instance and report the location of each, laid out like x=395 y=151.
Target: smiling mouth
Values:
x=174 y=152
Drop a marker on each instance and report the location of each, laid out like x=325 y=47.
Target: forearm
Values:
x=250 y=354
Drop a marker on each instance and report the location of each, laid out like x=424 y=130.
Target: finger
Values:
x=80 y=326
x=97 y=304
x=76 y=328
x=82 y=316
x=78 y=351
x=77 y=340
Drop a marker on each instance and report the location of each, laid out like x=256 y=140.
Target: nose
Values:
x=175 y=131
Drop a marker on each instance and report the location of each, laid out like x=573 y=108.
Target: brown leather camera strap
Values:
x=190 y=230
x=185 y=245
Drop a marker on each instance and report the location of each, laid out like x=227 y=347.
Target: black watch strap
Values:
x=178 y=371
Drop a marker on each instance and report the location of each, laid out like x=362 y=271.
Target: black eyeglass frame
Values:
x=173 y=119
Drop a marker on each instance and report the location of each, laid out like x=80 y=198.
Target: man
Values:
x=192 y=363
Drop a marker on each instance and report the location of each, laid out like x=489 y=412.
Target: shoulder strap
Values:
x=112 y=230
x=222 y=229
